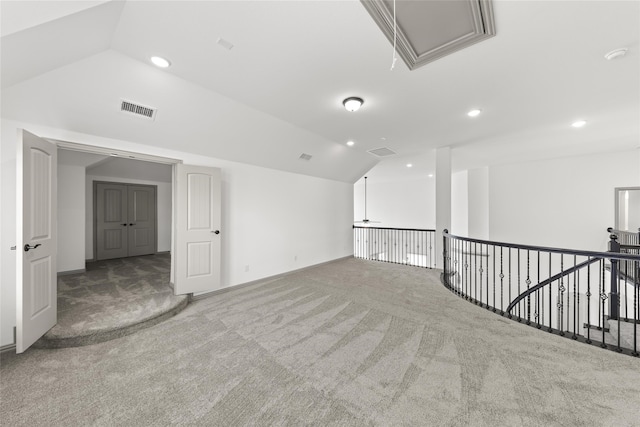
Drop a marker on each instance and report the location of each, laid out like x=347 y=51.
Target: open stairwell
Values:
x=624 y=331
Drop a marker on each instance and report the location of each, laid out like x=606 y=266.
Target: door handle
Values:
x=124 y=224
x=132 y=224
x=216 y=232
x=27 y=247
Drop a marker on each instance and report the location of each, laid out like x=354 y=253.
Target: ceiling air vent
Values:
x=305 y=156
x=138 y=110
x=382 y=152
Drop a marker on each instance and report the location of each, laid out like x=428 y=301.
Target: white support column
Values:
x=443 y=198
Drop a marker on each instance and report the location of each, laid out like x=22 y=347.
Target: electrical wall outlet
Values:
x=246 y=268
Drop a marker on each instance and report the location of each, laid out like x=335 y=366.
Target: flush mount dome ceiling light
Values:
x=352 y=103
x=161 y=62
x=474 y=113
x=578 y=123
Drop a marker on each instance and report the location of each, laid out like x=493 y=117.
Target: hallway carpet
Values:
x=349 y=343
x=113 y=298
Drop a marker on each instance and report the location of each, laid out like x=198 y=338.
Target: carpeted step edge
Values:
x=109 y=334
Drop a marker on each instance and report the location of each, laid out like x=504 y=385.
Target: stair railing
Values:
x=409 y=246
x=571 y=293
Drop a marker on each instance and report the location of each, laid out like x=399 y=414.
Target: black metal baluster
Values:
x=561 y=290
x=600 y=291
x=519 y=314
x=636 y=265
x=509 y=281
x=528 y=286
x=457 y=267
x=475 y=281
x=575 y=300
x=444 y=259
x=466 y=270
x=617 y=279
x=550 y=299
x=537 y=314
x=588 y=323
x=540 y=319
x=626 y=276
x=501 y=282
x=494 y=278
x=603 y=297
x=481 y=271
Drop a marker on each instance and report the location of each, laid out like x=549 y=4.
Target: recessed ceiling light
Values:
x=430 y=175
x=353 y=103
x=473 y=113
x=159 y=61
x=350 y=143
x=409 y=165
x=617 y=53
x=578 y=123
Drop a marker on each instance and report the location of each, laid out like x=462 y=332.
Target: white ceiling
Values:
x=277 y=93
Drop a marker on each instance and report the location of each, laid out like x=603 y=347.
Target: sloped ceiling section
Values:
x=72 y=79
x=277 y=92
x=52 y=44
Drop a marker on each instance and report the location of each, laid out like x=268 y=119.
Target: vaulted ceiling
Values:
x=277 y=92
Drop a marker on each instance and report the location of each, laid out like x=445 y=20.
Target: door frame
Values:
x=105 y=151
x=95 y=212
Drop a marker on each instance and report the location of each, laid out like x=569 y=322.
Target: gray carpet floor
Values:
x=348 y=343
x=113 y=298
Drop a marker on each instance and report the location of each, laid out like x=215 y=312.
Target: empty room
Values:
x=350 y=212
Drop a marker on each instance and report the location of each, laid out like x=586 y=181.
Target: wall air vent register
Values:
x=382 y=152
x=138 y=110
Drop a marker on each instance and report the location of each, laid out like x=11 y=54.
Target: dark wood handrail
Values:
x=392 y=228
x=591 y=254
x=549 y=281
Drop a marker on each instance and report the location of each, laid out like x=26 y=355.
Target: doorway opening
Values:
x=119 y=280
x=194 y=237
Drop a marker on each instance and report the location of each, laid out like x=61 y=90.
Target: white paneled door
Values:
x=37 y=239
x=197 y=230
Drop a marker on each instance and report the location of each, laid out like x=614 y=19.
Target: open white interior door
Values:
x=197 y=248
x=37 y=239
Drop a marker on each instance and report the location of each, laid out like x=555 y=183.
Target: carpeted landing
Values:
x=350 y=343
x=113 y=298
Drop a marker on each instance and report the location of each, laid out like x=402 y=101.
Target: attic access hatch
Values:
x=429 y=30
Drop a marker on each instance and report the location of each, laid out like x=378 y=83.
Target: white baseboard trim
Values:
x=263 y=280
x=9 y=348
x=69 y=272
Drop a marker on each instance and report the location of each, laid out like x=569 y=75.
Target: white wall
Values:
x=272 y=221
x=408 y=203
x=71 y=217
x=460 y=204
x=163 y=198
x=566 y=203
x=478 y=203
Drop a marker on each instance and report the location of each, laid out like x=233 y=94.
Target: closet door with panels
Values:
x=125 y=220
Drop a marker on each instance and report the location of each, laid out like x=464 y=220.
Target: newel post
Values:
x=444 y=255
x=614 y=303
